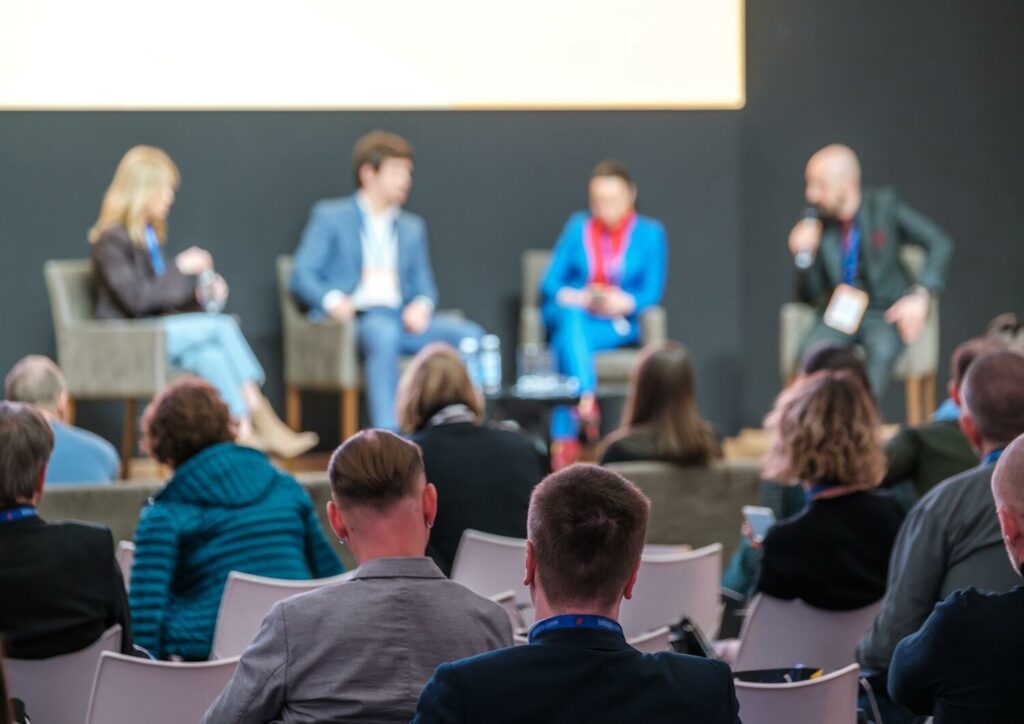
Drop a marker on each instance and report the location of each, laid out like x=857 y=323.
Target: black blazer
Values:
x=484 y=476
x=60 y=588
x=579 y=675
x=127 y=286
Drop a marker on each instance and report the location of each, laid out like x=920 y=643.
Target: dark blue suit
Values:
x=579 y=675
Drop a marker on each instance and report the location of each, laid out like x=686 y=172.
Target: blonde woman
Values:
x=835 y=553
x=136 y=279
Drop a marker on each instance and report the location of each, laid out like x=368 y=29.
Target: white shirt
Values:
x=378 y=286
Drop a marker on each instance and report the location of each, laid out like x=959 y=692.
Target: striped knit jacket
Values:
x=225 y=509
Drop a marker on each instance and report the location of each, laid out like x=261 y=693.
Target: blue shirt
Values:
x=80 y=456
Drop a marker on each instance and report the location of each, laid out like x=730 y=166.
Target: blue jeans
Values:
x=382 y=338
x=212 y=346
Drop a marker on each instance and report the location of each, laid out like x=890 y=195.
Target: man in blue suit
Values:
x=586 y=529
x=364 y=258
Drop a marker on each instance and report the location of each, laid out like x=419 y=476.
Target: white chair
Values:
x=672 y=586
x=246 y=601
x=653 y=642
x=507 y=600
x=490 y=564
x=780 y=634
x=129 y=690
x=56 y=690
x=831 y=699
x=125 y=556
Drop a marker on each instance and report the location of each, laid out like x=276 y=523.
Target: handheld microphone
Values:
x=805 y=257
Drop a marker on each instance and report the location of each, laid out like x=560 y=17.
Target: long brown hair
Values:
x=143 y=172
x=662 y=397
x=434 y=379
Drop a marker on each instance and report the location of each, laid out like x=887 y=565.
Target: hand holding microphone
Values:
x=805 y=238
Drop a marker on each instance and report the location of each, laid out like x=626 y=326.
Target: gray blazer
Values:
x=359 y=651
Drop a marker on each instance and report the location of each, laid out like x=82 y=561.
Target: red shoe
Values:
x=590 y=421
x=564 y=453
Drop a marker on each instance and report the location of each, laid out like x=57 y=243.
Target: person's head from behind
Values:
x=662 y=395
x=26 y=442
x=38 y=381
x=184 y=419
x=823 y=429
x=382 y=167
x=834 y=356
x=833 y=182
x=140 y=195
x=435 y=379
x=964 y=356
x=585 y=534
x=381 y=504
x=992 y=400
x=612 y=193
x=1008 y=492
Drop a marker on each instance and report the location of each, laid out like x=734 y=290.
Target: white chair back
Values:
x=129 y=690
x=125 y=557
x=672 y=586
x=653 y=642
x=246 y=601
x=490 y=564
x=56 y=690
x=831 y=699
x=507 y=600
x=780 y=634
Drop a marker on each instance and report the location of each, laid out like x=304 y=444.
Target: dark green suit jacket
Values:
x=886 y=225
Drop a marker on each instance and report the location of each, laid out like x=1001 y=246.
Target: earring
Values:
x=430 y=524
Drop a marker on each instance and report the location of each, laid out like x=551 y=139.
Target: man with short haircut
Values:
x=79 y=456
x=361 y=651
x=950 y=539
x=363 y=258
x=964 y=664
x=586 y=529
x=60 y=587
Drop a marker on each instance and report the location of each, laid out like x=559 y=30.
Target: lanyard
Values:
x=12 y=514
x=819 y=488
x=992 y=456
x=574 y=620
x=155 y=257
x=851 y=252
x=605 y=256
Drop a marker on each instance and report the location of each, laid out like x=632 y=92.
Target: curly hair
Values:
x=183 y=420
x=824 y=428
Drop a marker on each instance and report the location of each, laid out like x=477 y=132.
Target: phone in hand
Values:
x=760 y=520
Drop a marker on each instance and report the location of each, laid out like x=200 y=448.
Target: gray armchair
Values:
x=917 y=366
x=613 y=366
x=103 y=359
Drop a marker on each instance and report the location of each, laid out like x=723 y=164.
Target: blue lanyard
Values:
x=992 y=456
x=821 y=487
x=574 y=620
x=20 y=513
x=153 y=245
x=851 y=253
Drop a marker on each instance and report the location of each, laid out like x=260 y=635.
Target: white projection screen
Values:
x=372 y=54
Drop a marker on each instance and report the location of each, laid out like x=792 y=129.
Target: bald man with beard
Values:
x=854 y=237
x=964 y=664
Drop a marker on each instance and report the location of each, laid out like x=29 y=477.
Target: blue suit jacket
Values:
x=644 y=266
x=579 y=675
x=330 y=255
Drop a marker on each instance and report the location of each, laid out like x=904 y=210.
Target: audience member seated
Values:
x=950 y=539
x=78 y=456
x=361 y=651
x=586 y=533
x=483 y=473
x=226 y=508
x=963 y=665
x=835 y=553
x=661 y=419
x=930 y=453
x=61 y=586
x=134 y=280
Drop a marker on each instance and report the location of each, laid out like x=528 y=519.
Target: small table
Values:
x=532 y=410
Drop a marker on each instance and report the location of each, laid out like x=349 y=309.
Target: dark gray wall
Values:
x=929 y=92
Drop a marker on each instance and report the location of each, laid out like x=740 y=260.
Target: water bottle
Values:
x=469 y=349
x=490 y=363
x=204 y=287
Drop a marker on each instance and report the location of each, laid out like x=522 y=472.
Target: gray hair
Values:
x=35 y=380
x=26 y=441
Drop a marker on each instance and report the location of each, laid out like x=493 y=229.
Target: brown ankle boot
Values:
x=277 y=437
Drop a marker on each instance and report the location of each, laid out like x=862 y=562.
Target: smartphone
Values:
x=759 y=519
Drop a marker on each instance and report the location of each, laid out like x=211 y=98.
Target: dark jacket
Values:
x=579 y=675
x=484 y=475
x=61 y=588
x=226 y=509
x=886 y=225
x=127 y=286
x=640 y=443
x=928 y=454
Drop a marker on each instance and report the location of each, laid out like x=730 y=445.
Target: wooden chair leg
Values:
x=128 y=437
x=293 y=407
x=928 y=382
x=349 y=412
x=69 y=411
x=913 y=389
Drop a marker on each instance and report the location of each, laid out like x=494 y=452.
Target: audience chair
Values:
x=670 y=587
x=830 y=699
x=653 y=642
x=507 y=600
x=125 y=557
x=121 y=359
x=613 y=366
x=245 y=603
x=917 y=366
x=780 y=634
x=56 y=690
x=129 y=690
x=491 y=564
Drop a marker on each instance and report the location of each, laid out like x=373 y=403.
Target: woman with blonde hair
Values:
x=483 y=473
x=661 y=419
x=834 y=554
x=134 y=280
